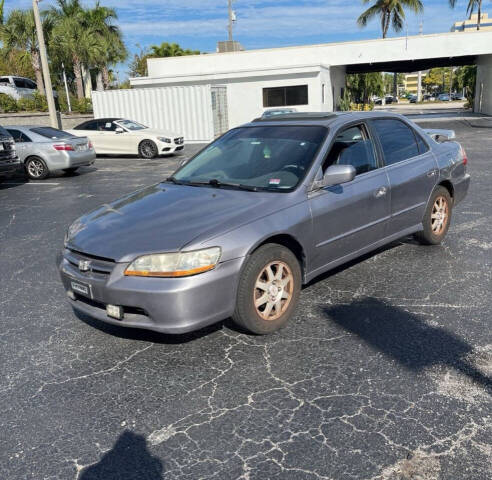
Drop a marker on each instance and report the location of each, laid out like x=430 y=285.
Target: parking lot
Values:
x=385 y=372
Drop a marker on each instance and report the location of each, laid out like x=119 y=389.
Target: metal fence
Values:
x=185 y=110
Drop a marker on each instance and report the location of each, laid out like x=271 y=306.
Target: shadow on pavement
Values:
x=129 y=459
x=404 y=337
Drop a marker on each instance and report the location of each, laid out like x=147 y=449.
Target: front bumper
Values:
x=168 y=305
x=172 y=147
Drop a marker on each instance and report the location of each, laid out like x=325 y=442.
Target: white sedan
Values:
x=121 y=136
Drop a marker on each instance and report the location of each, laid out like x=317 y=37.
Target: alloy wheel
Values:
x=273 y=290
x=439 y=215
x=35 y=168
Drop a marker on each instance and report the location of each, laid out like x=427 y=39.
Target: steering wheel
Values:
x=293 y=168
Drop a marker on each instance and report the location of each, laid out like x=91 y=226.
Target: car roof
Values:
x=321 y=118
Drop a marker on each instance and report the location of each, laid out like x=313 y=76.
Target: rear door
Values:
x=349 y=217
x=411 y=168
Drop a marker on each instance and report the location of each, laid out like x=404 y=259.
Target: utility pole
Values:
x=44 y=64
x=419 y=77
x=231 y=19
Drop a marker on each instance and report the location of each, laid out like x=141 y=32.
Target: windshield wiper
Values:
x=213 y=182
x=174 y=180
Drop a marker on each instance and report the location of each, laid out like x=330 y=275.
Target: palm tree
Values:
x=472 y=4
x=2 y=3
x=170 y=50
x=100 y=19
x=18 y=33
x=390 y=12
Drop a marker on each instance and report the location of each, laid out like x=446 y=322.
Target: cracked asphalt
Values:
x=385 y=372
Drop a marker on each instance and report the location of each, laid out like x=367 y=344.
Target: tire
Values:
x=437 y=217
x=36 y=169
x=280 y=303
x=147 y=149
x=70 y=171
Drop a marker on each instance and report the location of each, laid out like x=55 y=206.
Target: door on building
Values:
x=219 y=110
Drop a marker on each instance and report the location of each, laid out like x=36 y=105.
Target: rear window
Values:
x=50 y=132
x=3 y=132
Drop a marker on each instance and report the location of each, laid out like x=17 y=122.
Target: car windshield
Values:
x=131 y=125
x=52 y=133
x=262 y=157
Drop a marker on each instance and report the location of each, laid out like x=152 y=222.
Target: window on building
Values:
x=397 y=140
x=285 y=96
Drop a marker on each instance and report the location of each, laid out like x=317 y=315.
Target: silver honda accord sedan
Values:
x=44 y=149
x=267 y=207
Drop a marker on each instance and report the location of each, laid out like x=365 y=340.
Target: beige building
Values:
x=471 y=23
x=411 y=81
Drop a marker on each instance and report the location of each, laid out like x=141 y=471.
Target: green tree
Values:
x=390 y=12
x=362 y=86
x=73 y=39
x=438 y=79
x=18 y=34
x=100 y=20
x=138 y=66
x=16 y=62
x=2 y=3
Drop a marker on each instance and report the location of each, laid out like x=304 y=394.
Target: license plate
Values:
x=82 y=147
x=81 y=288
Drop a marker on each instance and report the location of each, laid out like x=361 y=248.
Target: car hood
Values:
x=165 y=218
x=157 y=132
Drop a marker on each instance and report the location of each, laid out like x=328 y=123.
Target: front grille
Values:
x=179 y=140
x=100 y=265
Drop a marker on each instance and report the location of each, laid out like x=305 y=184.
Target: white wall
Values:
x=450 y=44
x=184 y=110
x=483 y=90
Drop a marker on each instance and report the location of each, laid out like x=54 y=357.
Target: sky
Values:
x=199 y=24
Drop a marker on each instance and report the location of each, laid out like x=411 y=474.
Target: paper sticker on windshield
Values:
x=274 y=181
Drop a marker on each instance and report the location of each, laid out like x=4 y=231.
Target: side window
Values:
x=18 y=136
x=19 y=83
x=109 y=126
x=91 y=125
x=423 y=147
x=352 y=146
x=30 y=84
x=397 y=140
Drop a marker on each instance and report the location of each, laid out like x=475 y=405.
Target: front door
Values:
x=351 y=216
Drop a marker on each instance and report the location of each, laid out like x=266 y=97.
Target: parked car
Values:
x=388 y=99
x=9 y=161
x=457 y=96
x=277 y=111
x=17 y=87
x=412 y=98
x=44 y=149
x=122 y=136
x=443 y=97
x=262 y=210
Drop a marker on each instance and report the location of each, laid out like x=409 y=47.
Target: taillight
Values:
x=63 y=147
x=464 y=158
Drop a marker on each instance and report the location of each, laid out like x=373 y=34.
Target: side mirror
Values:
x=335 y=175
x=119 y=130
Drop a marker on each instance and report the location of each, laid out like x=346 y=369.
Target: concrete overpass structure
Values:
x=313 y=76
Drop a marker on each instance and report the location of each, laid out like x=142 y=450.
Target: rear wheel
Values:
x=36 y=169
x=437 y=218
x=70 y=171
x=147 y=149
x=268 y=289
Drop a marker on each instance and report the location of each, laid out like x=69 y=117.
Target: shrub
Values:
x=8 y=104
x=83 y=105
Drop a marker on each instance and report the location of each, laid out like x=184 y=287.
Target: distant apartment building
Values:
x=411 y=81
x=471 y=23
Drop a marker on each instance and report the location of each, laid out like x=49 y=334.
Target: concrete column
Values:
x=483 y=88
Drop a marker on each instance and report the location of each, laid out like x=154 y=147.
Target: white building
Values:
x=311 y=77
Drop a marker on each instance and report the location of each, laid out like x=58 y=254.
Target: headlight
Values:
x=164 y=139
x=180 y=264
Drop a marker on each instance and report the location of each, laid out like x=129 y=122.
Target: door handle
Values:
x=380 y=192
x=431 y=173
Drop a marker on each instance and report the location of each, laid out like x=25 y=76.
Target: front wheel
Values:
x=147 y=149
x=437 y=218
x=36 y=169
x=268 y=289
